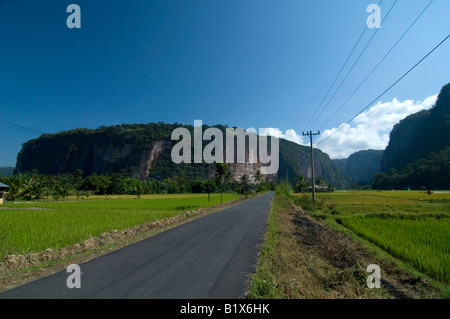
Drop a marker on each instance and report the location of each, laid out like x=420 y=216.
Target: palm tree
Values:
x=35 y=187
x=245 y=181
x=301 y=183
x=221 y=169
x=228 y=178
x=182 y=183
x=138 y=188
x=320 y=181
x=18 y=185
x=259 y=177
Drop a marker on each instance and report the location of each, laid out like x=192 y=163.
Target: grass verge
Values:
x=304 y=258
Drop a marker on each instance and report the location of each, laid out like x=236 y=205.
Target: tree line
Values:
x=432 y=172
x=35 y=186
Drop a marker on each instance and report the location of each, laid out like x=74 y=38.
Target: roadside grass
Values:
x=321 y=249
x=35 y=226
x=409 y=225
x=264 y=283
x=298 y=262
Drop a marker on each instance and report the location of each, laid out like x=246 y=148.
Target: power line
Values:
x=22 y=128
x=340 y=71
x=354 y=64
x=381 y=61
x=30 y=130
x=385 y=91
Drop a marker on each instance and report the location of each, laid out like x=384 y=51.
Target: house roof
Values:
x=318 y=186
x=3 y=185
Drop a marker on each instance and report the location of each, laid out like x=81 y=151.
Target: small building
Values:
x=319 y=189
x=3 y=189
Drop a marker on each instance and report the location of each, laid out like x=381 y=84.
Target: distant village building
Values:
x=319 y=189
x=3 y=189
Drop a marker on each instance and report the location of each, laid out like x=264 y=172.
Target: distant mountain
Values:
x=296 y=159
x=144 y=151
x=419 y=135
x=340 y=163
x=6 y=170
x=361 y=166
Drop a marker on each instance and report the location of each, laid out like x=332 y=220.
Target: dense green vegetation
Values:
x=432 y=172
x=34 y=186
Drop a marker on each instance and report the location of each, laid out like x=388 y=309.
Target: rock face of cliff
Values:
x=144 y=151
x=419 y=134
x=361 y=166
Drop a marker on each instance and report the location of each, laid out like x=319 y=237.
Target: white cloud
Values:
x=289 y=135
x=369 y=130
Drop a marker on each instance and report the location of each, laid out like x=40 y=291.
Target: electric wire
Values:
x=354 y=64
x=30 y=130
x=340 y=71
x=376 y=66
x=22 y=128
x=385 y=91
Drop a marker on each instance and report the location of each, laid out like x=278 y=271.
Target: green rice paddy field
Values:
x=35 y=226
x=410 y=225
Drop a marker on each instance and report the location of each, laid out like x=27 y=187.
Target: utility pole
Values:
x=311 y=134
x=207 y=186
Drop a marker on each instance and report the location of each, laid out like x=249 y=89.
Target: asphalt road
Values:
x=208 y=258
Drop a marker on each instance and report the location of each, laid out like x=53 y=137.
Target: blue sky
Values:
x=261 y=64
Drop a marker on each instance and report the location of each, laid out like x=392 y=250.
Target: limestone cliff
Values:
x=419 y=134
x=144 y=151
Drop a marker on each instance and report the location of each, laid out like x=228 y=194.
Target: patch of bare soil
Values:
x=349 y=260
x=16 y=270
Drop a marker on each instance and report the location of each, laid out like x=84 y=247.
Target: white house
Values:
x=3 y=189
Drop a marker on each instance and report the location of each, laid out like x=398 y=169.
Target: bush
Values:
x=284 y=188
x=307 y=203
